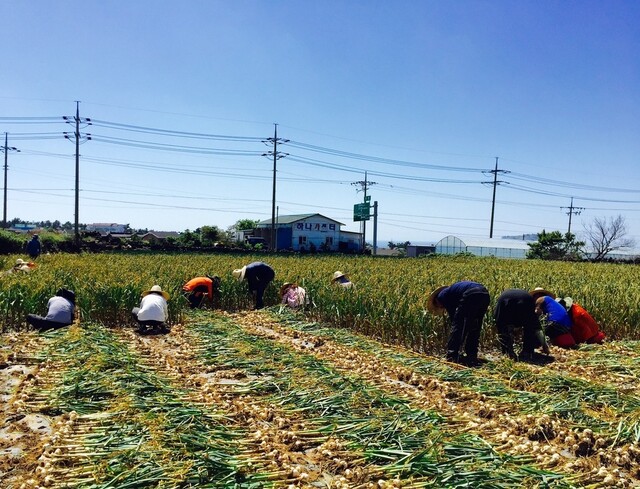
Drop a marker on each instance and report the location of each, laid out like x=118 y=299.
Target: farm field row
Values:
x=271 y=399
x=389 y=301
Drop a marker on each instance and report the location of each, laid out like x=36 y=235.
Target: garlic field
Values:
x=269 y=399
x=353 y=392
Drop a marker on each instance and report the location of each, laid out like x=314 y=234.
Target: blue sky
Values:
x=423 y=95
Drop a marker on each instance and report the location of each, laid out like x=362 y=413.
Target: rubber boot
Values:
x=453 y=356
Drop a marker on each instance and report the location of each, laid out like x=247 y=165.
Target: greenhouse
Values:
x=500 y=248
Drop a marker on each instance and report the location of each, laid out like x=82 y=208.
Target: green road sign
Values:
x=361 y=212
x=367 y=199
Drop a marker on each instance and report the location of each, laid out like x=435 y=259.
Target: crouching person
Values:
x=556 y=320
x=515 y=310
x=584 y=328
x=293 y=295
x=466 y=303
x=60 y=311
x=153 y=312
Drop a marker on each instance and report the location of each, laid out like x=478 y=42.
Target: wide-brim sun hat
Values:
x=238 y=273
x=284 y=287
x=337 y=275
x=540 y=291
x=433 y=306
x=156 y=289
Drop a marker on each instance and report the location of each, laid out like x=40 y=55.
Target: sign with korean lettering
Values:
x=361 y=212
x=322 y=227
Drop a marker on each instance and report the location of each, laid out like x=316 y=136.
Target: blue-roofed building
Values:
x=309 y=232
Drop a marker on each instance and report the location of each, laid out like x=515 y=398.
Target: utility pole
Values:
x=495 y=182
x=375 y=227
x=6 y=150
x=77 y=137
x=276 y=156
x=364 y=185
x=572 y=210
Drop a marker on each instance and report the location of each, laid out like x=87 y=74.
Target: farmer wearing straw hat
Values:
x=198 y=288
x=466 y=303
x=342 y=280
x=515 y=308
x=60 y=311
x=21 y=266
x=153 y=311
x=556 y=320
x=258 y=276
x=293 y=295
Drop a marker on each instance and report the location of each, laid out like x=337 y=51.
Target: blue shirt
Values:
x=555 y=312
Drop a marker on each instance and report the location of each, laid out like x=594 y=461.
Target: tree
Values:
x=189 y=239
x=240 y=225
x=400 y=246
x=210 y=234
x=556 y=246
x=607 y=235
x=245 y=224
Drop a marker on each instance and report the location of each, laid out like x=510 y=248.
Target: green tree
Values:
x=210 y=235
x=556 y=246
x=189 y=239
x=245 y=224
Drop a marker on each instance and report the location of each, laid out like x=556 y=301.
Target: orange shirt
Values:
x=199 y=282
x=584 y=327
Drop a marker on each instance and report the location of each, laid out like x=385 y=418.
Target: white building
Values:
x=309 y=232
x=500 y=248
x=107 y=227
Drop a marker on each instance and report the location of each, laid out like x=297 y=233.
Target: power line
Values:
x=169 y=132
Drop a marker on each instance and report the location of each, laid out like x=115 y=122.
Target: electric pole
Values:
x=375 y=227
x=6 y=150
x=364 y=185
x=77 y=136
x=495 y=182
x=276 y=156
x=572 y=210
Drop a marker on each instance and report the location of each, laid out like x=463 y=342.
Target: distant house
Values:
x=107 y=227
x=155 y=237
x=114 y=237
x=23 y=228
x=308 y=232
x=413 y=251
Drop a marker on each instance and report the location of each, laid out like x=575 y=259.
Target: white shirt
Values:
x=153 y=307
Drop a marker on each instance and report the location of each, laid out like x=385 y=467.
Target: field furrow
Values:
x=567 y=446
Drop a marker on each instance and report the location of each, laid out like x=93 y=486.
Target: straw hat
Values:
x=238 y=273
x=433 y=305
x=284 y=287
x=158 y=290
x=337 y=275
x=20 y=261
x=539 y=292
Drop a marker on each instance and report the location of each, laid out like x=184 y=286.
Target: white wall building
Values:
x=106 y=227
x=308 y=232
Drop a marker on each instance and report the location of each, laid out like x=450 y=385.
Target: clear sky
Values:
x=423 y=95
